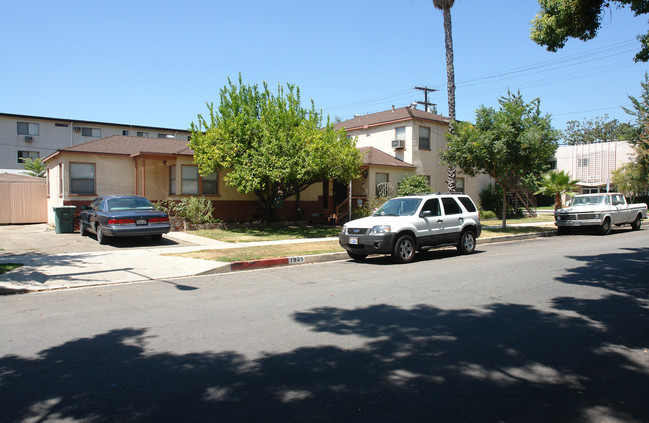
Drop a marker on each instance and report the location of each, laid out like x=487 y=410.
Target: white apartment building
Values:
x=593 y=164
x=24 y=136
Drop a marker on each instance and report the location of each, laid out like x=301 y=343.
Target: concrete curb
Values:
x=320 y=258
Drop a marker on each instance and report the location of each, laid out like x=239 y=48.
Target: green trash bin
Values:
x=64 y=219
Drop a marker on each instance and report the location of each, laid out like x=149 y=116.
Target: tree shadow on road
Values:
x=582 y=361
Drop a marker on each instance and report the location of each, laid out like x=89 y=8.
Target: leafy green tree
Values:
x=416 y=184
x=270 y=145
x=556 y=184
x=641 y=113
x=597 y=130
x=559 y=20
x=34 y=167
x=445 y=6
x=630 y=179
x=506 y=144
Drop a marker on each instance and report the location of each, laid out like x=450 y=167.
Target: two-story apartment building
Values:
x=411 y=137
x=25 y=136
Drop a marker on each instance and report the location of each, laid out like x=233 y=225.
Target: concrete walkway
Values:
x=57 y=261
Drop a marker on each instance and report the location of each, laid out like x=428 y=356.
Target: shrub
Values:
x=411 y=185
x=491 y=198
x=368 y=207
x=488 y=214
x=193 y=209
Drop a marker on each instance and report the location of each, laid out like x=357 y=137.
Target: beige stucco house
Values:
x=159 y=169
x=409 y=140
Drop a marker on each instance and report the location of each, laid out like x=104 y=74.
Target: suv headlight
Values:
x=380 y=229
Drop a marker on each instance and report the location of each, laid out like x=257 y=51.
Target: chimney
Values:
x=393 y=107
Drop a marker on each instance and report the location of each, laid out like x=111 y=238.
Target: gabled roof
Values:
x=130 y=146
x=375 y=157
x=390 y=116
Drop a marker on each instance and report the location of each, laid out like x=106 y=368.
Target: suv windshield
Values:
x=399 y=207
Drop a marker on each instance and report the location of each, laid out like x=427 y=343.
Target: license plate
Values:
x=141 y=222
x=353 y=240
x=577 y=223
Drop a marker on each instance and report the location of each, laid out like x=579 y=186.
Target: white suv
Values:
x=404 y=225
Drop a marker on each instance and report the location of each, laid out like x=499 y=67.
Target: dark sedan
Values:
x=123 y=215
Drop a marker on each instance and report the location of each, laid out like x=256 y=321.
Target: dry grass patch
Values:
x=266 y=251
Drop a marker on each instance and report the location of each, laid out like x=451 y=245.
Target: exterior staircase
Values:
x=521 y=197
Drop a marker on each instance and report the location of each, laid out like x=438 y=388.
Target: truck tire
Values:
x=467 y=242
x=404 y=249
x=635 y=225
x=605 y=229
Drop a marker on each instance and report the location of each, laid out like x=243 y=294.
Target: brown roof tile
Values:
x=390 y=116
x=132 y=146
x=375 y=157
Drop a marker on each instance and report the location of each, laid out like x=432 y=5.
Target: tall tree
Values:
x=270 y=145
x=556 y=184
x=597 y=130
x=445 y=6
x=641 y=141
x=506 y=144
x=559 y=20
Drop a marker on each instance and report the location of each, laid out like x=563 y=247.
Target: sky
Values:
x=158 y=63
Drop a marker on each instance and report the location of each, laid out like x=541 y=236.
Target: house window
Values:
x=424 y=138
x=61 y=125
x=90 y=132
x=210 y=184
x=25 y=128
x=189 y=182
x=382 y=184
x=165 y=136
x=172 y=180
x=400 y=133
x=125 y=133
x=22 y=155
x=583 y=162
x=142 y=134
x=82 y=178
x=459 y=185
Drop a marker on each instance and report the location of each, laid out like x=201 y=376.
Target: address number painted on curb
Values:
x=295 y=260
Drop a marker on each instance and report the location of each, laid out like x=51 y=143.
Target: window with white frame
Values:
x=82 y=178
x=172 y=180
x=26 y=128
x=142 y=134
x=382 y=184
x=23 y=155
x=189 y=179
x=582 y=162
x=90 y=132
x=400 y=133
x=424 y=138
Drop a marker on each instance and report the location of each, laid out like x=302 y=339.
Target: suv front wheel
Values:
x=404 y=249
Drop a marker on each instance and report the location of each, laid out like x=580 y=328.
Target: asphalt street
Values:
x=552 y=329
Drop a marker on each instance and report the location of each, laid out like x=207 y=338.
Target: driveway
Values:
x=43 y=239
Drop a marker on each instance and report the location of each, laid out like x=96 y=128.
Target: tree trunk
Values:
x=450 y=86
x=504 y=221
x=557 y=201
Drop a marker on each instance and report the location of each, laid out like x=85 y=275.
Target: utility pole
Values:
x=426 y=90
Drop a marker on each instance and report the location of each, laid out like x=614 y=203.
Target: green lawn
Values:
x=253 y=234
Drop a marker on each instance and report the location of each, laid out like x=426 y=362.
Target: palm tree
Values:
x=34 y=167
x=556 y=184
x=445 y=6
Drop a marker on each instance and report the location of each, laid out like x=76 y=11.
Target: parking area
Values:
x=42 y=239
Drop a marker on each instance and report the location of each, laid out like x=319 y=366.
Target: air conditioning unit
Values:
x=398 y=143
x=77 y=128
x=29 y=138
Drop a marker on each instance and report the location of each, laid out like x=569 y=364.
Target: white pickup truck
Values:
x=601 y=211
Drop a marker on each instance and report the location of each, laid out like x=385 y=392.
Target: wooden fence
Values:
x=23 y=201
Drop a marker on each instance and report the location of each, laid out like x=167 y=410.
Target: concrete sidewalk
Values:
x=57 y=261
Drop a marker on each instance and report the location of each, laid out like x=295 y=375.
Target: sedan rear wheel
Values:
x=82 y=229
x=101 y=238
